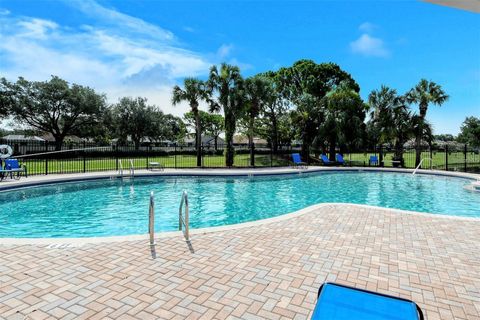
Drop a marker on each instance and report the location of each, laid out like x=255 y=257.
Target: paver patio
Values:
x=270 y=271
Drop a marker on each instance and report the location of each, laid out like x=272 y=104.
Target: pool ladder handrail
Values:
x=151 y=219
x=132 y=169
x=184 y=221
x=120 y=168
x=420 y=164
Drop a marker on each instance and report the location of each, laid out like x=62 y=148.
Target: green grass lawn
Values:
x=438 y=159
x=215 y=161
x=180 y=161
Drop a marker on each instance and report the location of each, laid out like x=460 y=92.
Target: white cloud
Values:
x=37 y=28
x=112 y=17
x=118 y=54
x=224 y=50
x=367 y=27
x=369 y=46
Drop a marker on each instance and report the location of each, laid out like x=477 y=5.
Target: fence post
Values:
x=431 y=157
x=84 y=158
x=46 y=158
x=175 y=154
x=202 y=155
x=465 y=158
x=446 y=157
x=380 y=158
x=84 y=162
x=271 y=155
x=252 y=155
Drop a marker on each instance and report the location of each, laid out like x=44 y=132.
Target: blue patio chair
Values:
x=340 y=159
x=373 y=161
x=326 y=161
x=14 y=168
x=297 y=161
x=339 y=302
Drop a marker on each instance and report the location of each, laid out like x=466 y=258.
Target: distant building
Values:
x=242 y=140
x=22 y=138
x=207 y=141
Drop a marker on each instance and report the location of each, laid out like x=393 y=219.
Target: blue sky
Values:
x=145 y=47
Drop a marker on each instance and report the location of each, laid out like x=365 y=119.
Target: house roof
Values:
x=205 y=139
x=21 y=137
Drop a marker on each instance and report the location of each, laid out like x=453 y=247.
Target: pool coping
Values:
x=80 y=241
x=235 y=172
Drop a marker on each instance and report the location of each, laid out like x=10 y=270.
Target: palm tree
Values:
x=391 y=118
x=344 y=111
x=228 y=83
x=194 y=91
x=258 y=93
x=423 y=94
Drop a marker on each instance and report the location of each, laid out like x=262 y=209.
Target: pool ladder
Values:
x=183 y=218
x=420 y=164
x=131 y=169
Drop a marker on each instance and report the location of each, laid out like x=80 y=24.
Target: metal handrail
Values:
x=132 y=169
x=420 y=164
x=151 y=220
x=183 y=222
x=120 y=168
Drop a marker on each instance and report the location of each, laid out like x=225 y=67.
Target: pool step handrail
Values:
x=183 y=220
x=151 y=219
x=420 y=164
x=120 y=168
x=132 y=169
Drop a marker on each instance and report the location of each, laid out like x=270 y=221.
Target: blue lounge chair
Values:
x=297 y=161
x=339 y=302
x=326 y=161
x=14 y=168
x=340 y=159
x=373 y=161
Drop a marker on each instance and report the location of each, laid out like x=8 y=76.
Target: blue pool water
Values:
x=113 y=207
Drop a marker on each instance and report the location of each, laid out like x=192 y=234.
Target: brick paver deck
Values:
x=272 y=271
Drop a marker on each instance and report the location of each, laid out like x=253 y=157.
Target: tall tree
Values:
x=193 y=92
x=470 y=132
x=343 y=113
x=275 y=124
x=136 y=120
x=391 y=119
x=304 y=85
x=53 y=106
x=424 y=93
x=214 y=126
x=259 y=93
x=227 y=82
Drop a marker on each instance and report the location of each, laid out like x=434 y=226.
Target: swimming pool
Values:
x=114 y=207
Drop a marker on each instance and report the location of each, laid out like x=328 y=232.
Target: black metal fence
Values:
x=40 y=157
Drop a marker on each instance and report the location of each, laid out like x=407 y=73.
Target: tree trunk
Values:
x=275 y=135
x=137 y=144
x=418 y=138
x=250 y=142
x=58 y=142
x=198 y=139
x=418 y=148
x=331 y=147
x=305 y=151
x=229 y=132
x=216 y=143
x=398 y=155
